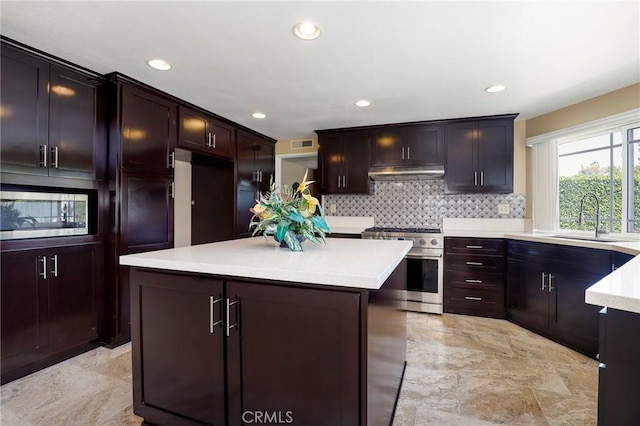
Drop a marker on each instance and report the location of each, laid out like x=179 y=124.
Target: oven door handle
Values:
x=424 y=256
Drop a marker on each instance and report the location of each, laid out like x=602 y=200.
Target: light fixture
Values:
x=495 y=88
x=259 y=115
x=159 y=64
x=362 y=103
x=307 y=30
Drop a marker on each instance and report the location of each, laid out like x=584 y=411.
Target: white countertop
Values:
x=618 y=290
x=348 y=224
x=340 y=262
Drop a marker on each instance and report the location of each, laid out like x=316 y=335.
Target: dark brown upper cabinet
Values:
x=256 y=160
x=148 y=131
x=202 y=133
x=49 y=119
x=343 y=159
x=479 y=156
x=408 y=145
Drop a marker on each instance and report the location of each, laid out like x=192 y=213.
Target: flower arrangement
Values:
x=290 y=214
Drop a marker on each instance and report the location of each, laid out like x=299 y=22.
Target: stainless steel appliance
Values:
x=424 y=265
x=42 y=214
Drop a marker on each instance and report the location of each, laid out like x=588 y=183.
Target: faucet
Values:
x=581 y=215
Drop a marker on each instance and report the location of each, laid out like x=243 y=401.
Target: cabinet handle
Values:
x=551 y=277
x=54 y=267
x=230 y=326
x=212 y=303
x=43 y=259
x=172 y=160
x=613 y=267
x=408 y=153
x=214 y=141
x=260 y=170
x=474 y=281
x=602 y=365
x=209 y=140
x=43 y=155
x=403 y=152
x=54 y=157
x=172 y=190
x=543 y=283
x=475 y=178
x=338 y=181
x=473 y=298
x=474 y=263
x=482 y=178
x=473 y=247
x=344 y=181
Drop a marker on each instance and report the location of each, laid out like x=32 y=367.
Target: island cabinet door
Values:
x=293 y=355
x=178 y=349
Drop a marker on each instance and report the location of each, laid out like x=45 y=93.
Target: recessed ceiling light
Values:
x=259 y=115
x=307 y=30
x=362 y=103
x=495 y=88
x=159 y=64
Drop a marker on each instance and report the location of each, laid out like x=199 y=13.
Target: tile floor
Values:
x=461 y=371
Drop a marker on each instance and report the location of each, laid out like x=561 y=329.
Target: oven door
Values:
x=424 y=278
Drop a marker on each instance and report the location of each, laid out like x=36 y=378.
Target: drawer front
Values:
x=586 y=259
x=493 y=264
x=488 y=246
x=475 y=298
x=474 y=280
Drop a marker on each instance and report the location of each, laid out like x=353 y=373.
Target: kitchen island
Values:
x=244 y=331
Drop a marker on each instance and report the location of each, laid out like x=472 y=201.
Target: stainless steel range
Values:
x=424 y=264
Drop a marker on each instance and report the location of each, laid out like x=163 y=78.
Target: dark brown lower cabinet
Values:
x=545 y=291
x=48 y=306
x=224 y=351
x=619 y=372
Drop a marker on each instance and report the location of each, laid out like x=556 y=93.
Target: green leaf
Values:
x=292 y=242
x=295 y=215
x=283 y=229
x=320 y=223
x=309 y=236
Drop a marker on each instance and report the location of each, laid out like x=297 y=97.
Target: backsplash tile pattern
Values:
x=422 y=204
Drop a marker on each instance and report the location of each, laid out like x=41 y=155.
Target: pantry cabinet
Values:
x=343 y=162
x=545 y=291
x=479 y=155
x=50 y=119
x=49 y=305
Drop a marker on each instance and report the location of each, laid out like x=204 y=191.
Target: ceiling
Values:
x=414 y=61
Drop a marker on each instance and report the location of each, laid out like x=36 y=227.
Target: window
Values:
x=591 y=166
x=600 y=158
x=633 y=173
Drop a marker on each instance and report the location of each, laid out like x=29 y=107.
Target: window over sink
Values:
x=600 y=157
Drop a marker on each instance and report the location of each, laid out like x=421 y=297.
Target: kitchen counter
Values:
x=341 y=262
x=351 y=225
x=317 y=337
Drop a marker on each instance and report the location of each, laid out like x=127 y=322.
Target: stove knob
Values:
x=422 y=242
x=434 y=242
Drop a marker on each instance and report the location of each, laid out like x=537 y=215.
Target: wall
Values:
x=421 y=204
x=611 y=103
x=182 y=204
x=292 y=172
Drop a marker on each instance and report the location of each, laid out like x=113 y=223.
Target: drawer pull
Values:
x=474 y=281
x=473 y=298
x=474 y=263
x=474 y=247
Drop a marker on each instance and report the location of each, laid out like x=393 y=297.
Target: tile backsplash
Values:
x=422 y=204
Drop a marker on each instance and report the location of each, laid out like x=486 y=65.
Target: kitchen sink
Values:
x=598 y=240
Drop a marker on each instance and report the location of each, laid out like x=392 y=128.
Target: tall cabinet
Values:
x=255 y=169
x=142 y=139
x=51 y=140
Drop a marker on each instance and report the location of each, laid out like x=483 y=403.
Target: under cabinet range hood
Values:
x=432 y=171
